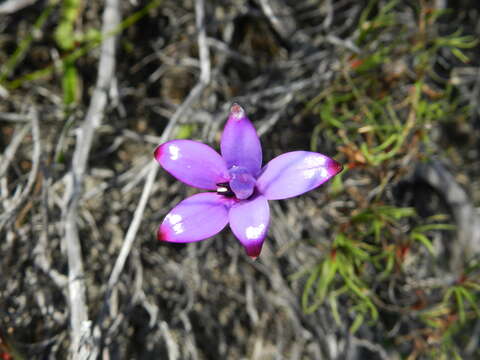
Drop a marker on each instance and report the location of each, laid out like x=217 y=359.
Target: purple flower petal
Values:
x=240 y=144
x=249 y=222
x=295 y=173
x=193 y=163
x=196 y=218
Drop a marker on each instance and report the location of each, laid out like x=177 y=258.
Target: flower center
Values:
x=241 y=184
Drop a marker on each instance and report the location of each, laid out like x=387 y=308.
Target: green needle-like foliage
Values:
x=379 y=110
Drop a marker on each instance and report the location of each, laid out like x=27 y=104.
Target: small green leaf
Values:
x=308 y=288
x=332 y=300
x=70 y=84
x=185 y=131
x=428 y=227
x=329 y=269
x=356 y=323
x=460 y=305
x=424 y=240
x=471 y=299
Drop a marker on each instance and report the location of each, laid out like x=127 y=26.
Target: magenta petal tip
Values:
x=158 y=152
x=335 y=167
x=253 y=251
x=162 y=234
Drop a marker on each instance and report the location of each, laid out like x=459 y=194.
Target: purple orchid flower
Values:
x=241 y=186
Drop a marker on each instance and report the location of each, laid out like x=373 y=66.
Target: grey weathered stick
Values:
x=468 y=222
x=376 y=348
x=280 y=17
x=10 y=151
x=205 y=67
x=83 y=346
x=40 y=251
x=17 y=201
x=12 y=117
x=203 y=50
x=172 y=346
x=11 y=6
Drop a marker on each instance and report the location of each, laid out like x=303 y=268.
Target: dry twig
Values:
x=11 y=6
x=153 y=167
x=468 y=222
x=20 y=197
x=83 y=345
